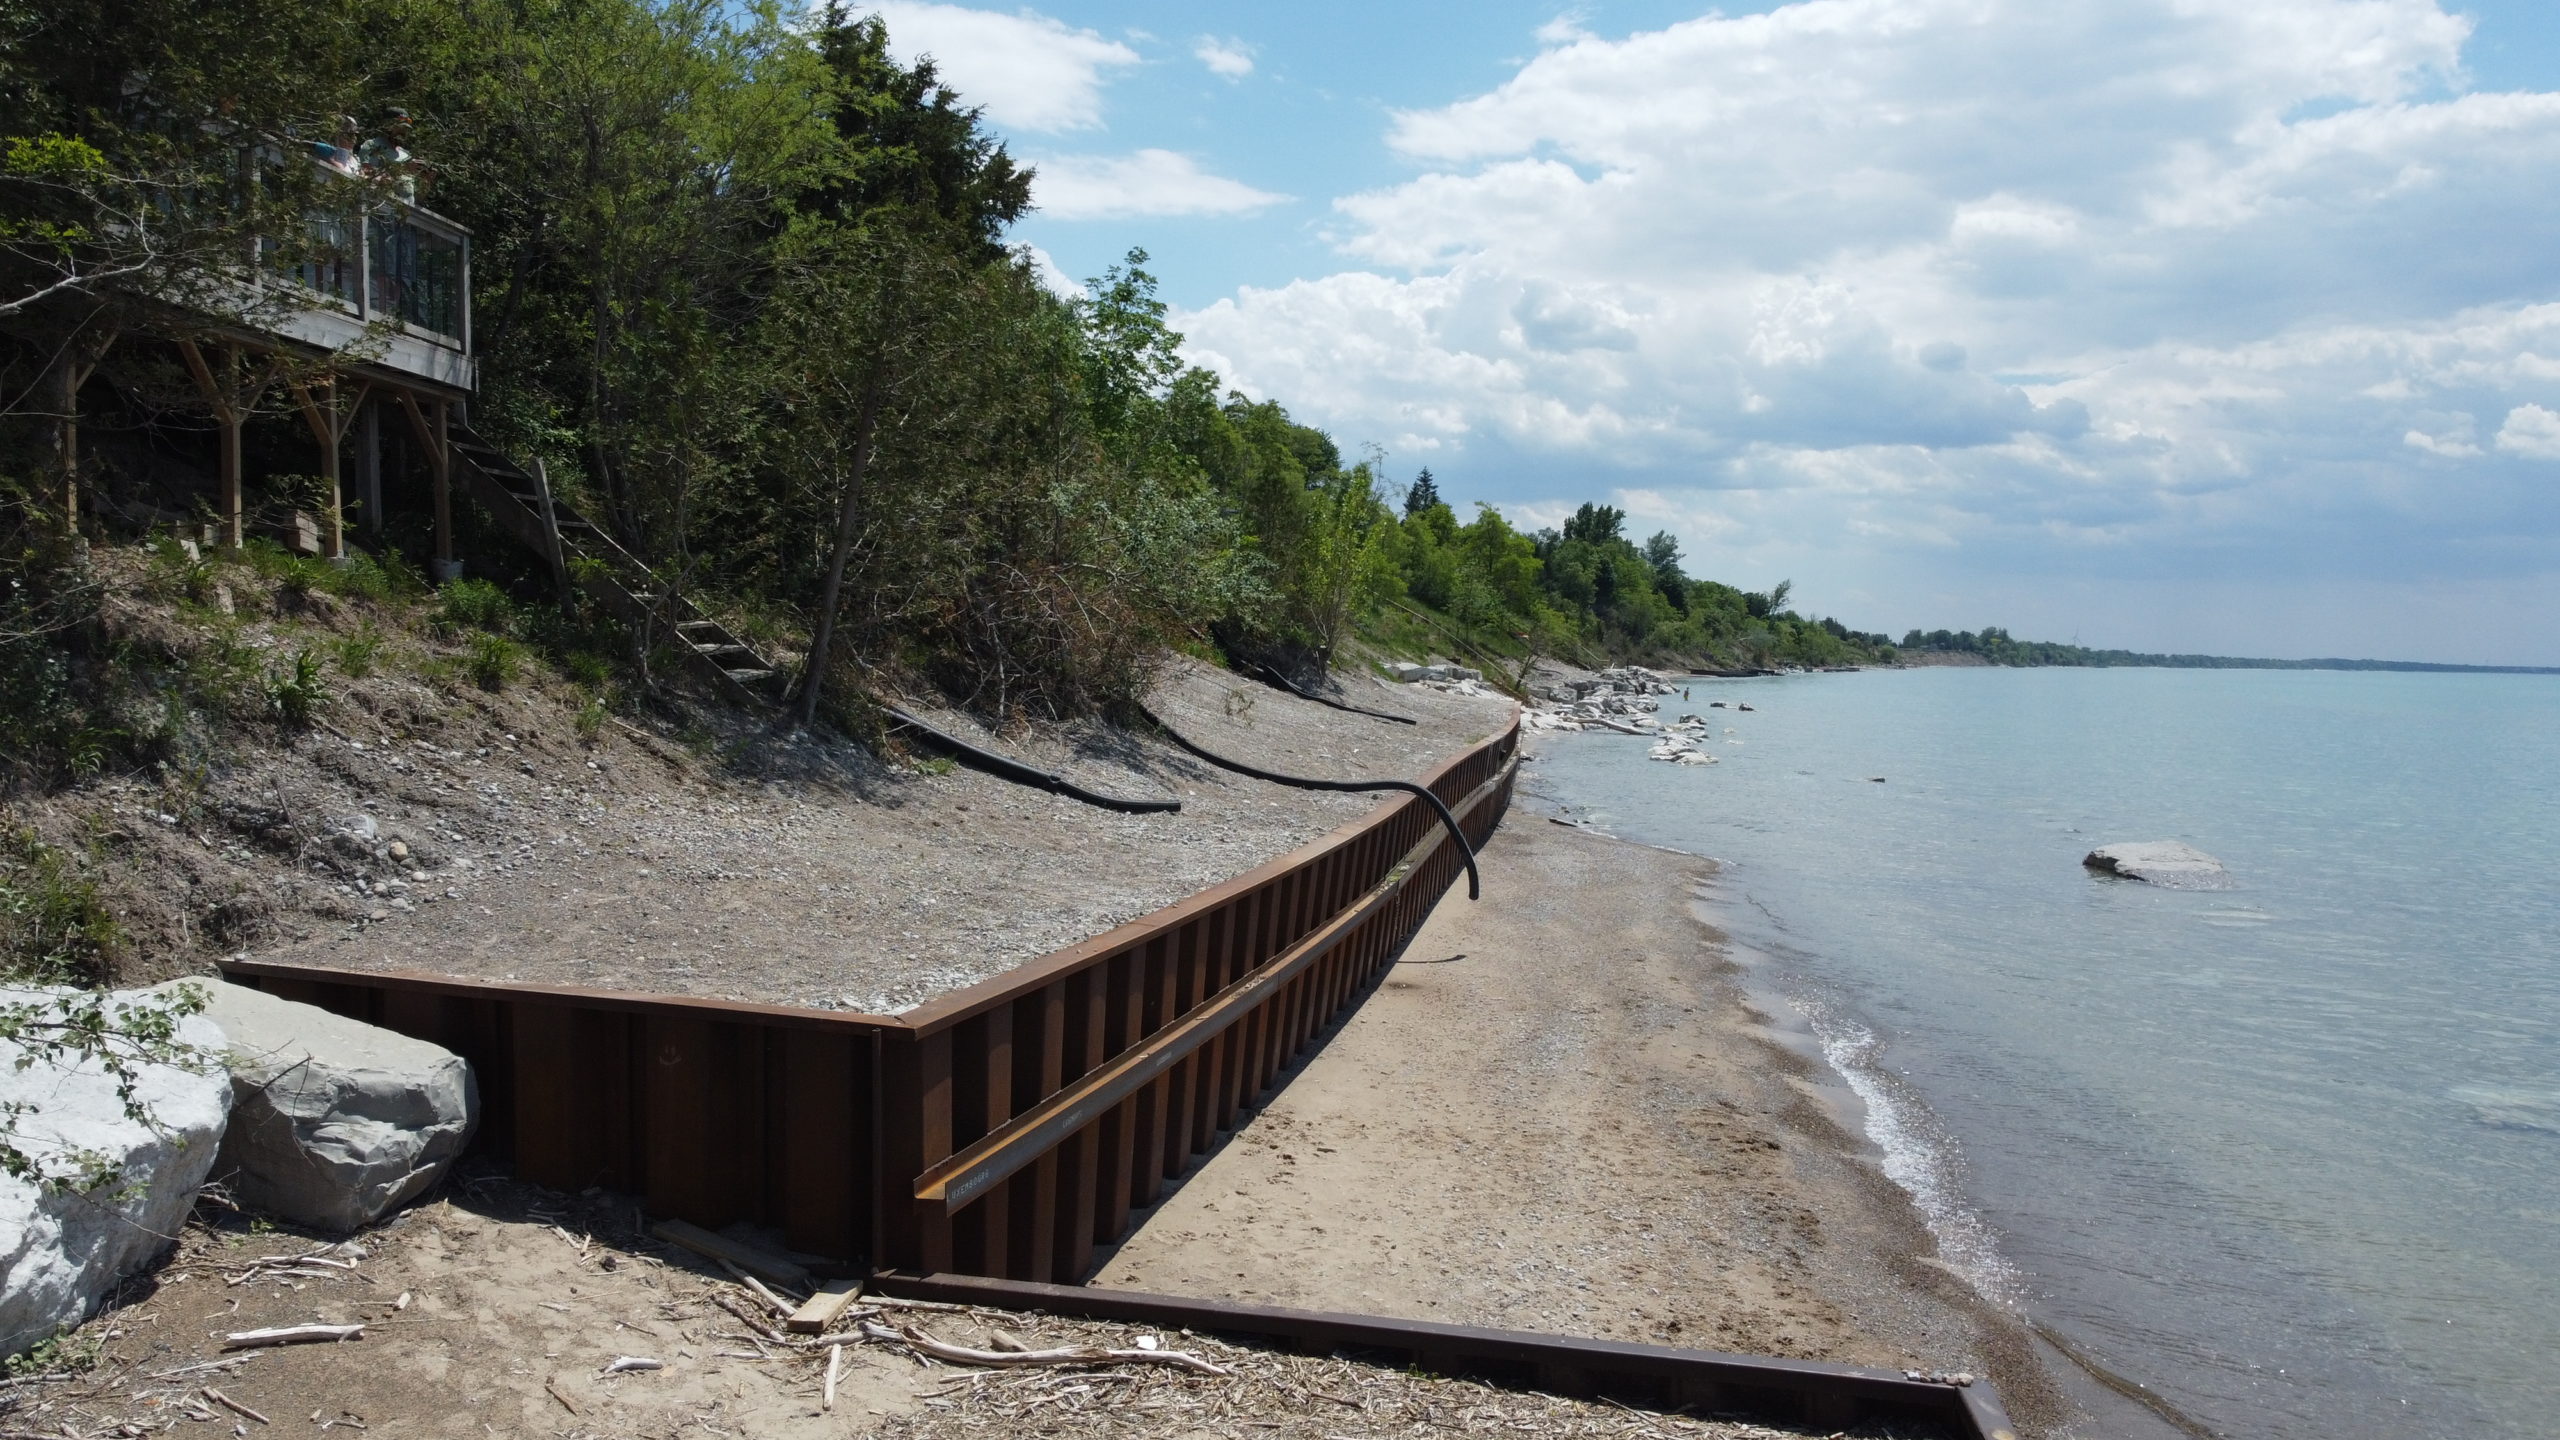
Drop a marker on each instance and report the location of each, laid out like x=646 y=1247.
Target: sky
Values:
x=2163 y=324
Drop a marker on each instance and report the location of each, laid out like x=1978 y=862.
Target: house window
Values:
x=417 y=275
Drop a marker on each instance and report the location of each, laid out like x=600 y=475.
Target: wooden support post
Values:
x=436 y=439
x=369 y=466
x=80 y=355
x=443 y=449
x=329 y=422
x=223 y=395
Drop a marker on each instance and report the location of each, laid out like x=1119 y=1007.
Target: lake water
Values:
x=2289 y=1153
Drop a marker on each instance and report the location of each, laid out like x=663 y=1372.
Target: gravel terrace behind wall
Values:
x=818 y=877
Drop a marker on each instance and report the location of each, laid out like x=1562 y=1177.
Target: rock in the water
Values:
x=2161 y=862
x=335 y=1122
x=61 y=1251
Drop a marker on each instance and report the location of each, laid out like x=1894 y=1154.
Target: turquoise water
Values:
x=2290 y=1152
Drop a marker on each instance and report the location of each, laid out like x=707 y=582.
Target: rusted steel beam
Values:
x=1672 y=1375
x=1245 y=1005
x=612 y=1000
x=1409 y=814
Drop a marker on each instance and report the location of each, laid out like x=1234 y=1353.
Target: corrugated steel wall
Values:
x=1066 y=1092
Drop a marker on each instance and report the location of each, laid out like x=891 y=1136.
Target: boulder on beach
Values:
x=335 y=1123
x=61 y=1249
x=2160 y=862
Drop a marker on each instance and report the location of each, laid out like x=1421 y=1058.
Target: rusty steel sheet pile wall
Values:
x=709 y=1111
x=1040 y=1109
x=1006 y=1129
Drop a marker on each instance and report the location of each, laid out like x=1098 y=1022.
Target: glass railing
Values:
x=392 y=261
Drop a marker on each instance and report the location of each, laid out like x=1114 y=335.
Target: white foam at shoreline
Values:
x=1919 y=1155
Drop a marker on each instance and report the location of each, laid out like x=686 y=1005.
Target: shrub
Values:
x=54 y=928
x=295 y=693
x=357 y=653
x=492 y=661
x=473 y=605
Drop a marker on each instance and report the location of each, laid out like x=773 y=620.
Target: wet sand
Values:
x=1560 y=1112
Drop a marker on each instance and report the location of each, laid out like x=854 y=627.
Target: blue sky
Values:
x=2146 y=323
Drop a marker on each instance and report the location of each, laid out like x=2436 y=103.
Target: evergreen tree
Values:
x=1424 y=494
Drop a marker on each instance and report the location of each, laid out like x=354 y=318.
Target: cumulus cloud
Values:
x=2129 y=283
x=1047 y=271
x=1029 y=71
x=1226 y=59
x=1148 y=182
x=2531 y=431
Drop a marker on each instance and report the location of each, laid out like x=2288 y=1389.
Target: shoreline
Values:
x=1633 y=1153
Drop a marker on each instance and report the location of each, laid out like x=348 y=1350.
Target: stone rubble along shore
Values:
x=1626 y=699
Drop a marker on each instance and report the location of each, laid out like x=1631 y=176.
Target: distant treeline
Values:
x=1998 y=647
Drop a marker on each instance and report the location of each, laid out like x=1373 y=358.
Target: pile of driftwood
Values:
x=794 y=1316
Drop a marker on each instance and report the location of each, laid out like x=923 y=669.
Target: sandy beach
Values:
x=1560 y=1113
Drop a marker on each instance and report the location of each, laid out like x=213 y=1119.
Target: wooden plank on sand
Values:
x=821 y=1309
x=720 y=1247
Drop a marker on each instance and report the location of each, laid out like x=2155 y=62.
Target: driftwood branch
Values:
x=923 y=1344
x=291 y=1335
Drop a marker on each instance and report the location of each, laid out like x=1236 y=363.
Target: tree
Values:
x=1424 y=494
x=910 y=143
x=1595 y=524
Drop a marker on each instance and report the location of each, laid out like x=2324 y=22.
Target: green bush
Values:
x=474 y=605
x=54 y=927
x=358 y=653
x=492 y=661
x=295 y=693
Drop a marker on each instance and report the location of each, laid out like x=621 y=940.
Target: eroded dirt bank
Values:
x=1558 y=1113
x=488 y=836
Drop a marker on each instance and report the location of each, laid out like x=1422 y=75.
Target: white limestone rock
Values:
x=335 y=1123
x=2160 y=862
x=61 y=1252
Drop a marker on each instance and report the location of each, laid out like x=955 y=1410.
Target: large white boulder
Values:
x=2160 y=862
x=61 y=1250
x=335 y=1123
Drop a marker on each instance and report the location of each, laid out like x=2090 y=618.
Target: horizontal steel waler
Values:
x=1660 y=1377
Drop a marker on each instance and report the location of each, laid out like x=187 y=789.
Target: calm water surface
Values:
x=2290 y=1153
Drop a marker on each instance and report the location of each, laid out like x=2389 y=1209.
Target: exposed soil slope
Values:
x=423 y=823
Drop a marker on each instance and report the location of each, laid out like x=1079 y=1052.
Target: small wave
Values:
x=2236 y=918
x=2511 y=1107
x=1919 y=1156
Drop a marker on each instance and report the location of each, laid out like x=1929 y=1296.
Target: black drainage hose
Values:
x=1012 y=769
x=1285 y=683
x=1474 y=886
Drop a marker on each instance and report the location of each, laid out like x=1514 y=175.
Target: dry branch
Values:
x=923 y=1344
x=291 y=1335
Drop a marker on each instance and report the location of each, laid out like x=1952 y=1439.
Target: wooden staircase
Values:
x=614 y=576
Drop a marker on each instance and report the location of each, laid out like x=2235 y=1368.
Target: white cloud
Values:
x=2531 y=431
x=1148 y=182
x=1047 y=271
x=2147 y=284
x=1029 y=71
x=1226 y=59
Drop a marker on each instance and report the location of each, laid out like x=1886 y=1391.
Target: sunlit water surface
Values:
x=2288 y=1152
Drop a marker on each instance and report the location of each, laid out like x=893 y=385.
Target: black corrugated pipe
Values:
x=1272 y=674
x=1012 y=769
x=1474 y=887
